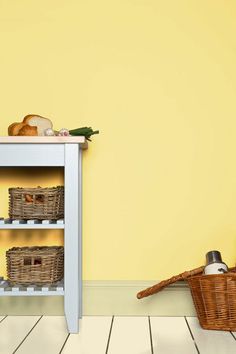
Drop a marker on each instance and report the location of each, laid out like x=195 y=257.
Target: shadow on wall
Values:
x=31 y=176
x=26 y=177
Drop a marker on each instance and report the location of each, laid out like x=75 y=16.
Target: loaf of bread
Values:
x=31 y=125
x=37 y=121
x=27 y=130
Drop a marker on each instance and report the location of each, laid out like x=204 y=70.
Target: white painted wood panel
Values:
x=13 y=329
x=92 y=337
x=130 y=335
x=31 y=154
x=212 y=342
x=47 y=337
x=171 y=335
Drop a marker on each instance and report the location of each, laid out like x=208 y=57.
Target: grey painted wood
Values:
x=32 y=154
x=71 y=239
x=46 y=290
x=80 y=232
x=31 y=224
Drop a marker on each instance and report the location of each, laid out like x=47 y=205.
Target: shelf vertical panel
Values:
x=80 y=233
x=72 y=237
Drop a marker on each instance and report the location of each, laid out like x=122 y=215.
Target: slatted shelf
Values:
x=55 y=289
x=31 y=224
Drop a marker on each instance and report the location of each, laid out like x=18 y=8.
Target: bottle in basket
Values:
x=214 y=264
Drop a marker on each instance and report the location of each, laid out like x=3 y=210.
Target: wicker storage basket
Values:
x=214 y=297
x=35 y=265
x=36 y=203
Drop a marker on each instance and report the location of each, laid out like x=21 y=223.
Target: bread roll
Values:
x=28 y=198
x=40 y=122
x=27 y=130
x=14 y=128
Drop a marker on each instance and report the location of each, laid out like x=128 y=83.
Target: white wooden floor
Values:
x=112 y=335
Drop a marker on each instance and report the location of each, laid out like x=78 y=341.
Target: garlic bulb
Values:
x=64 y=132
x=49 y=132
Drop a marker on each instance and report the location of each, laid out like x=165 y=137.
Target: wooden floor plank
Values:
x=92 y=338
x=13 y=329
x=130 y=335
x=212 y=342
x=47 y=337
x=234 y=335
x=171 y=335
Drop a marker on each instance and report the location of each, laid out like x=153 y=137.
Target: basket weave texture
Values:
x=35 y=265
x=214 y=297
x=36 y=203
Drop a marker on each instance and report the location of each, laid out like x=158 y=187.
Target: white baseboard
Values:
x=109 y=298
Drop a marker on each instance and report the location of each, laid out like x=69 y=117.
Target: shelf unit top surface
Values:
x=44 y=140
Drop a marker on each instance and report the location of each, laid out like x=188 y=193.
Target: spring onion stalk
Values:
x=84 y=131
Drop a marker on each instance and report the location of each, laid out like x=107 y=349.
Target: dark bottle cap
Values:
x=213 y=257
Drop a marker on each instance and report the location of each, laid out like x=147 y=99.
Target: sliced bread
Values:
x=37 y=121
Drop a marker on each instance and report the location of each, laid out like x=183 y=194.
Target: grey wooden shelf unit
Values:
x=53 y=151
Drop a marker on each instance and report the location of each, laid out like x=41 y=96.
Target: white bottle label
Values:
x=215 y=268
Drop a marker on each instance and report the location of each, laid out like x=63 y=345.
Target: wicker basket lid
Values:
x=35 y=249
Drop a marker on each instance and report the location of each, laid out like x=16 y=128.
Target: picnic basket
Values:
x=214 y=297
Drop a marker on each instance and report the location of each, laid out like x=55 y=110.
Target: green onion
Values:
x=84 y=131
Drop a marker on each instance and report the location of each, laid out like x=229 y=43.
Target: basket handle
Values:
x=159 y=286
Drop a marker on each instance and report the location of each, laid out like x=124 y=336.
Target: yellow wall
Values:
x=158 y=78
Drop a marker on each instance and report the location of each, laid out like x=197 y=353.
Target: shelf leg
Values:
x=80 y=195
x=72 y=238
